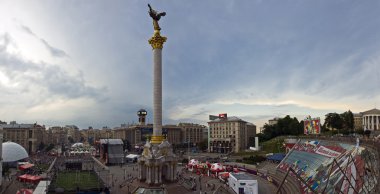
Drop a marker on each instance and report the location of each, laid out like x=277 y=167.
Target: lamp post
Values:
x=188 y=148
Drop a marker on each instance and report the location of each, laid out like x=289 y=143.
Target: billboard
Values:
x=312 y=125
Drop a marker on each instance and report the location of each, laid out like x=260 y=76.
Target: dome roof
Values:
x=75 y=145
x=142 y=112
x=13 y=152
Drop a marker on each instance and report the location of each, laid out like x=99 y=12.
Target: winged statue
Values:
x=156 y=16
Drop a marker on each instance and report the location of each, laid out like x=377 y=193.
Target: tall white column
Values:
x=157 y=92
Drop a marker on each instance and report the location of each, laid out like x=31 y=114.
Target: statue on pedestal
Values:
x=156 y=17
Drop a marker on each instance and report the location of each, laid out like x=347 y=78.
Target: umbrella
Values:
x=25 y=191
x=217 y=167
x=193 y=162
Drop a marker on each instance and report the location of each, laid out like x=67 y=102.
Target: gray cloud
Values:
x=53 y=51
x=48 y=77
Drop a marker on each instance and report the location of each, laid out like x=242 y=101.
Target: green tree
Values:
x=126 y=145
x=71 y=140
x=284 y=126
x=41 y=146
x=49 y=147
x=333 y=121
x=203 y=145
x=347 y=120
x=343 y=122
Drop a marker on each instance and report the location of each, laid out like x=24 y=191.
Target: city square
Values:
x=235 y=98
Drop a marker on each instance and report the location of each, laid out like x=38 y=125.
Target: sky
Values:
x=88 y=62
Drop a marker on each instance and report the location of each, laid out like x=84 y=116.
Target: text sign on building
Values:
x=312 y=125
x=223 y=115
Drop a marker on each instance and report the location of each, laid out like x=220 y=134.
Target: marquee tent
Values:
x=217 y=167
x=25 y=191
x=25 y=166
x=29 y=178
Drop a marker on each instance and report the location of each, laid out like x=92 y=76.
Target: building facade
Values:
x=273 y=121
x=367 y=120
x=136 y=135
x=58 y=135
x=250 y=134
x=358 y=121
x=193 y=133
x=29 y=136
x=229 y=134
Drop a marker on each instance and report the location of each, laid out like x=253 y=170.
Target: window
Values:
x=30 y=134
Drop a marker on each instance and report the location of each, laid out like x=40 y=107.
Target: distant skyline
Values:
x=89 y=63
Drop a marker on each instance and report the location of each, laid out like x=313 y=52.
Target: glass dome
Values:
x=13 y=152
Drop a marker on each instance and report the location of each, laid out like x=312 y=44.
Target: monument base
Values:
x=157 y=139
x=157 y=163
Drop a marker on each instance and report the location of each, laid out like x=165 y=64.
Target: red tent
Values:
x=25 y=191
x=22 y=177
x=29 y=178
x=25 y=166
x=224 y=175
x=217 y=167
x=35 y=179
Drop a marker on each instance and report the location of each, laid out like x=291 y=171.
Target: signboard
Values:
x=327 y=152
x=223 y=116
x=312 y=125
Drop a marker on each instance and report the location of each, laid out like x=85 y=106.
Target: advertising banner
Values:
x=312 y=125
x=322 y=150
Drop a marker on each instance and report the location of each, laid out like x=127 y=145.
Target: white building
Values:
x=242 y=183
x=367 y=120
x=371 y=119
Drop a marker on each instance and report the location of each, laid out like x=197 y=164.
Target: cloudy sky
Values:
x=88 y=63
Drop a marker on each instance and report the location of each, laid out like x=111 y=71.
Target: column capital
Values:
x=157 y=41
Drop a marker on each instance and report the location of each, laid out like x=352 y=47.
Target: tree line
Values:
x=338 y=123
x=341 y=123
x=284 y=126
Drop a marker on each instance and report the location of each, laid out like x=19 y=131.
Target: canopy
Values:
x=217 y=167
x=29 y=178
x=132 y=156
x=75 y=145
x=25 y=166
x=25 y=191
x=12 y=152
x=193 y=162
x=202 y=165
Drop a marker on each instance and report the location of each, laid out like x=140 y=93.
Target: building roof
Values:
x=228 y=119
x=251 y=124
x=17 y=126
x=372 y=111
x=111 y=141
x=13 y=152
x=241 y=176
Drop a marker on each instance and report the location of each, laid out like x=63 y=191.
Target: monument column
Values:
x=157 y=42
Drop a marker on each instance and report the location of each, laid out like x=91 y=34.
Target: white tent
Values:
x=132 y=156
x=12 y=152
